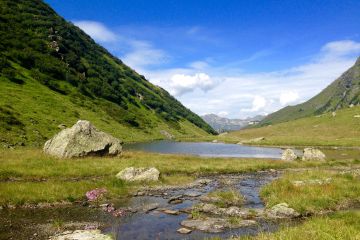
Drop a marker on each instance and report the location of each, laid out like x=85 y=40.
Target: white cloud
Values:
x=258 y=103
x=244 y=94
x=341 y=48
x=97 y=31
x=223 y=114
x=144 y=54
x=288 y=97
x=181 y=83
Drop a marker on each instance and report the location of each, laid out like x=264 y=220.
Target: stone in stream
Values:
x=149 y=207
x=288 y=155
x=81 y=235
x=230 y=211
x=132 y=174
x=82 y=139
x=313 y=154
x=214 y=225
x=184 y=231
x=282 y=210
x=192 y=194
x=171 y=212
x=176 y=199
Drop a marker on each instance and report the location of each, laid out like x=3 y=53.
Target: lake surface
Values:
x=206 y=149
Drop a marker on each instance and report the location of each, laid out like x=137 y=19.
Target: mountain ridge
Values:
x=341 y=93
x=222 y=124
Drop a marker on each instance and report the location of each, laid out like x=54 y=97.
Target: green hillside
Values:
x=343 y=92
x=52 y=73
x=321 y=130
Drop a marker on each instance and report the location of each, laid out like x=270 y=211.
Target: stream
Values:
x=151 y=223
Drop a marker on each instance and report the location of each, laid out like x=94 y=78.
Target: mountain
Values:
x=52 y=73
x=221 y=124
x=342 y=93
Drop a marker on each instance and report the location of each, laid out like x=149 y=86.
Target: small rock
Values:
x=150 y=207
x=175 y=201
x=61 y=126
x=212 y=225
x=171 y=212
x=81 y=235
x=288 y=155
x=192 y=194
x=313 y=154
x=184 y=231
x=356 y=116
x=282 y=210
x=203 y=181
x=132 y=174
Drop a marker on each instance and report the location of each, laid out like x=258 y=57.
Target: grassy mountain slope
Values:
x=51 y=73
x=341 y=93
x=322 y=130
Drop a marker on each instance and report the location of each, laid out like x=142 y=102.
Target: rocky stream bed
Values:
x=156 y=213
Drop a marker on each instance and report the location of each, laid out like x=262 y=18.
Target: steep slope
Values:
x=51 y=72
x=221 y=124
x=343 y=92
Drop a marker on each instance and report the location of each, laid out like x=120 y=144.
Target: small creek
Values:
x=155 y=224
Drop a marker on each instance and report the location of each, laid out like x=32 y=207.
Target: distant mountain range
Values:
x=343 y=92
x=222 y=124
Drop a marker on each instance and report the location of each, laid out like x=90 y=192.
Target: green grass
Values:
x=338 y=226
x=29 y=176
x=342 y=191
x=325 y=130
x=226 y=198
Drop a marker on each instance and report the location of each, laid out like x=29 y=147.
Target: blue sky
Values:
x=231 y=57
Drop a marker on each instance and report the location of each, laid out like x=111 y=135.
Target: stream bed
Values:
x=148 y=219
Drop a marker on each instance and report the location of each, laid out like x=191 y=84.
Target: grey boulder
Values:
x=82 y=139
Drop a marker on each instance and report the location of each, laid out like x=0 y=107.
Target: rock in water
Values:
x=288 y=155
x=81 y=235
x=313 y=154
x=82 y=139
x=131 y=174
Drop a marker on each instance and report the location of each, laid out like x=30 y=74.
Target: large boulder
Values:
x=288 y=155
x=82 y=139
x=132 y=174
x=313 y=154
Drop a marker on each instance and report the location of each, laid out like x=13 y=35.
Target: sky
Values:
x=234 y=58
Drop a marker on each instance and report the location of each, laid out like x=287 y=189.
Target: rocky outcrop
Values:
x=82 y=139
x=282 y=210
x=132 y=174
x=313 y=154
x=288 y=155
x=81 y=235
